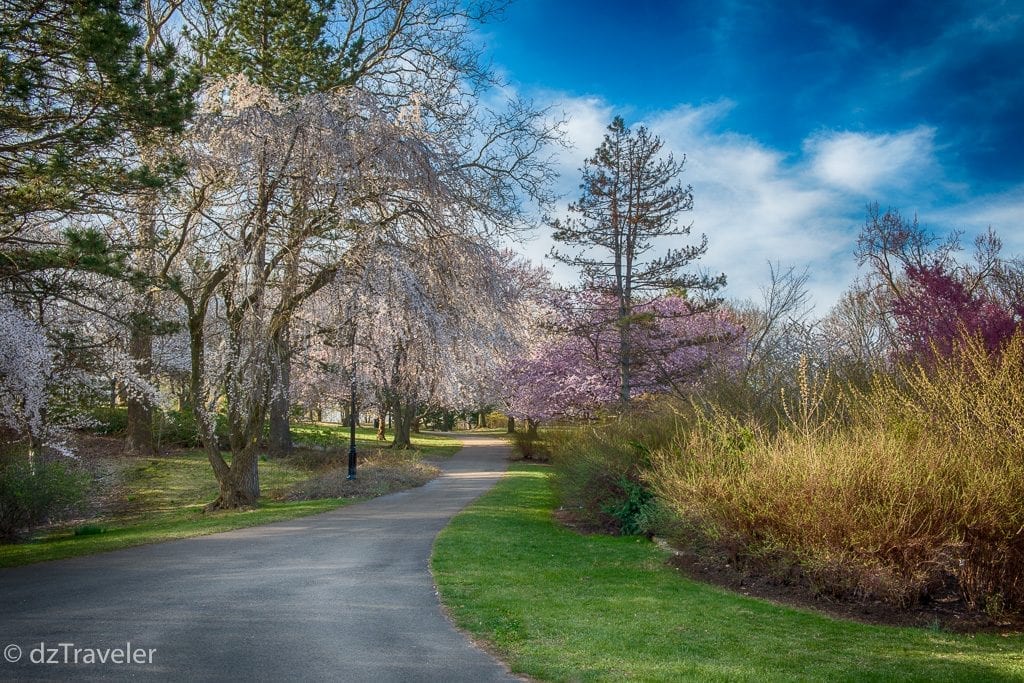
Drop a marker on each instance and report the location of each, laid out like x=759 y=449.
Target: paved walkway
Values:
x=345 y=595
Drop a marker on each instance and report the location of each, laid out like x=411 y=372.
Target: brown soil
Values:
x=948 y=613
x=94 y=446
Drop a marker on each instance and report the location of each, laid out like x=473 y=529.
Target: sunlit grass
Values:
x=432 y=445
x=164 y=497
x=561 y=606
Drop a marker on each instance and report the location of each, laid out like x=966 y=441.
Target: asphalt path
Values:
x=342 y=596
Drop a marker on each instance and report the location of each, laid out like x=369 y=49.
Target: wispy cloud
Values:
x=758 y=204
x=866 y=164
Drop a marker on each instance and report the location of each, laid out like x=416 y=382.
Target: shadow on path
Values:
x=345 y=595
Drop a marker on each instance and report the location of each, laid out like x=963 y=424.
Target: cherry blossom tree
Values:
x=25 y=368
x=417 y=60
x=675 y=346
x=242 y=254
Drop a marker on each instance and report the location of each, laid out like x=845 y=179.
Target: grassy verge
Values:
x=433 y=445
x=163 y=498
x=560 y=606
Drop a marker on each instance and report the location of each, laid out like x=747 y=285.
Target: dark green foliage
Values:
x=176 y=428
x=635 y=511
x=278 y=44
x=77 y=91
x=440 y=419
x=30 y=496
x=84 y=250
x=171 y=429
x=109 y=420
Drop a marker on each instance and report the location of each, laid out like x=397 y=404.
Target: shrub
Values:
x=109 y=420
x=171 y=428
x=381 y=472
x=636 y=513
x=533 y=446
x=919 y=489
x=178 y=428
x=600 y=469
x=32 y=495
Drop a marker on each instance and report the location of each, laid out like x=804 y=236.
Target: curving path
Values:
x=346 y=595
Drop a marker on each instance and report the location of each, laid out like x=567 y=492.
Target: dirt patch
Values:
x=570 y=518
x=90 y=447
x=378 y=473
x=948 y=613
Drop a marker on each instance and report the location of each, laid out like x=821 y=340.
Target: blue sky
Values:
x=793 y=115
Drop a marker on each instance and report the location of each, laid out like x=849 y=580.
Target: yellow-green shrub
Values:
x=922 y=483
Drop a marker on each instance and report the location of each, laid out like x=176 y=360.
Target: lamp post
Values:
x=352 y=428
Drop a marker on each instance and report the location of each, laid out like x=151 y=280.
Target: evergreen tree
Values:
x=85 y=89
x=76 y=95
x=631 y=197
x=277 y=44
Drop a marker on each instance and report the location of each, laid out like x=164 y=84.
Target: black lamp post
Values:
x=352 y=430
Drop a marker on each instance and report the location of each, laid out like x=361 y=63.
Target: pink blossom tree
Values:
x=574 y=373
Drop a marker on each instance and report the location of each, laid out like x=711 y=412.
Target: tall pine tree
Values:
x=78 y=91
x=631 y=200
x=277 y=44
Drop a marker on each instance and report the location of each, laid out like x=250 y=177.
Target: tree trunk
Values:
x=624 y=352
x=404 y=413
x=481 y=419
x=382 y=416
x=240 y=485
x=511 y=425
x=139 y=437
x=531 y=427
x=280 y=441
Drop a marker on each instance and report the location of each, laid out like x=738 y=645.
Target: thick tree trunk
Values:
x=404 y=413
x=239 y=482
x=280 y=441
x=481 y=419
x=139 y=437
x=511 y=425
x=240 y=485
x=531 y=427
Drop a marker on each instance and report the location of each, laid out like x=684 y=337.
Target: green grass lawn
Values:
x=433 y=445
x=164 y=498
x=560 y=606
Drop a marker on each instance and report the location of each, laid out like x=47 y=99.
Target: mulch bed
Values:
x=948 y=613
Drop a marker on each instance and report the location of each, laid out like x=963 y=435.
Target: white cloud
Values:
x=1003 y=212
x=864 y=163
x=757 y=204
x=753 y=206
